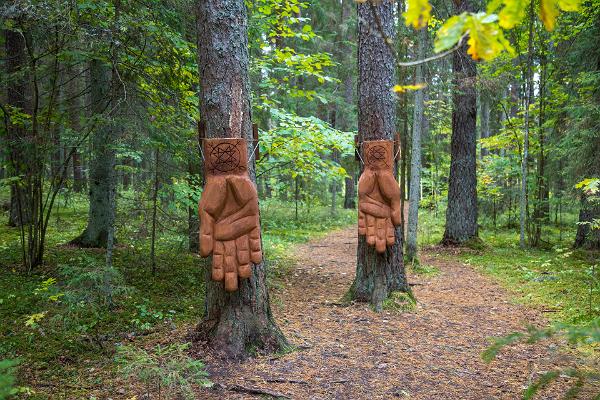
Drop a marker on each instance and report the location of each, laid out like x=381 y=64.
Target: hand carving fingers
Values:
x=391 y=192
x=362 y=223
x=206 y=233
x=371 y=235
x=217 y=263
x=366 y=183
x=380 y=240
x=255 y=249
x=231 y=279
x=243 y=256
x=379 y=210
x=225 y=230
x=390 y=233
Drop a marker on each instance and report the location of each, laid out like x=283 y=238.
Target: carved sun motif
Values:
x=225 y=157
x=377 y=156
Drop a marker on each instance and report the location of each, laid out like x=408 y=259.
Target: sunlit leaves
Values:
x=549 y=10
x=450 y=32
x=408 y=88
x=513 y=13
x=486 y=39
x=418 y=13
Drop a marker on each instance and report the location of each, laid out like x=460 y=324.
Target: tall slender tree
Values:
x=239 y=322
x=377 y=275
x=461 y=214
x=19 y=102
x=415 y=162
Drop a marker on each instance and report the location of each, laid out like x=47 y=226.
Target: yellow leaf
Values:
x=418 y=13
x=549 y=10
x=406 y=88
x=548 y=13
x=513 y=12
x=486 y=39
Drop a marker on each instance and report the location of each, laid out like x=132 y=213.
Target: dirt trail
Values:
x=355 y=353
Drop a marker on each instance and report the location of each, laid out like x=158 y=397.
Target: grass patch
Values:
x=400 y=302
x=424 y=270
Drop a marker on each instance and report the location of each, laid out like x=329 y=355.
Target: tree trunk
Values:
x=350 y=193
x=17 y=99
x=377 y=275
x=75 y=107
x=101 y=180
x=523 y=214
x=235 y=323
x=461 y=214
x=586 y=237
x=415 y=162
x=485 y=121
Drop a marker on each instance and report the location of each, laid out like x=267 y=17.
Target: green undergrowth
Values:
x=69 y=316
x=562 y=282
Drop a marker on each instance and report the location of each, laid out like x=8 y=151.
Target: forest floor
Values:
x=350 y=352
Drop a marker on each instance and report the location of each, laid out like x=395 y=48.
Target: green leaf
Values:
x=450 y=33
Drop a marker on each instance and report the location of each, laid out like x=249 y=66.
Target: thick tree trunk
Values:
x=461 y=214
x=101 y=180
x=17 y=99
x=377 y=275
x=415 y=162
x=235 y=323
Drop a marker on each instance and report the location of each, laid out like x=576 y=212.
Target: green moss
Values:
x=400 y=302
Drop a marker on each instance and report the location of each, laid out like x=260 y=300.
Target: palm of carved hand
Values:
x=379 y=208
x=230 y=229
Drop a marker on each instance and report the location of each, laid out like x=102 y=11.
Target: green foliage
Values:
x=7 y=378
x=587 y=334
x=167 y=370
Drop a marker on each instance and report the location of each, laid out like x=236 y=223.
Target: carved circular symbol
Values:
x=377 y=155
x=225 y=157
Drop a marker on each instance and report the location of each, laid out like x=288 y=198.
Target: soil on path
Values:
x=352 y=352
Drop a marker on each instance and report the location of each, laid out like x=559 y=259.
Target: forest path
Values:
x=354 y=353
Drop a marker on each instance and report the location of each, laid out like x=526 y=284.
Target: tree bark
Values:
x=461 y=214
x=101 y=180
x=18 y=100
x=235 y=323
x=523 y=206
x=415 y=162
x=350 y=193
x=586 y=237
x=75 y=107
x=377 y=275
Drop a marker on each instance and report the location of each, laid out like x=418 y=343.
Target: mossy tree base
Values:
x=378 y=275
x=237 y=325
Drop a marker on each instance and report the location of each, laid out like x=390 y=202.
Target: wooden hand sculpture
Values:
x=378 y=195
x=229 y=222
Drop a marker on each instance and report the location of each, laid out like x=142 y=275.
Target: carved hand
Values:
x=229 y=216
x=378 y=195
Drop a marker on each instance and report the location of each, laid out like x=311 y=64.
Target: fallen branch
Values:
x=283 y=380
x=249 y=390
